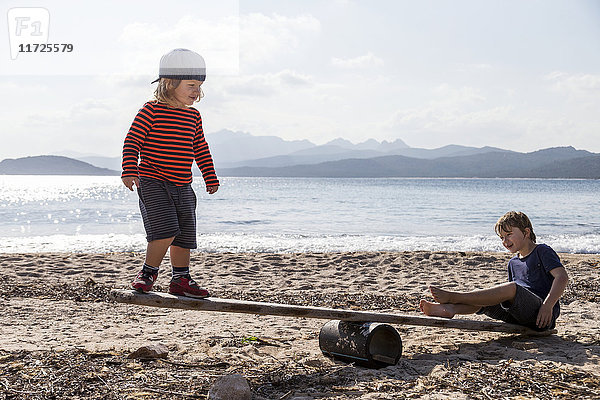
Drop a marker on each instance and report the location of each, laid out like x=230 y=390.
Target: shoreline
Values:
x=242 y=243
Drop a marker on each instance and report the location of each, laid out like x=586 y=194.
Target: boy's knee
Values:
x=510 y=291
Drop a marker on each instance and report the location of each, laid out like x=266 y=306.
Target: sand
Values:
x=56 y=308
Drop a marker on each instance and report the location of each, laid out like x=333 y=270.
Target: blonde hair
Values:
x=164 y=92
x=514 y=219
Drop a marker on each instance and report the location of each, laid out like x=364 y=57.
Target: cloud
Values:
x=450 y=96
x=366 y=61
x=264 y=37
x=574 y=84
x=216 y=39
x=457 y=111
x=473 y=67
x=440 y=119
x=499 y=126
x=463 y=115
x=449 y=108
x=89 y=113
x=92 y=111
x=253 y=38
x=579 y=101
x=89 y=125
x=264 y=85
x=292 y=78
x=128 y=81
x=22 y=92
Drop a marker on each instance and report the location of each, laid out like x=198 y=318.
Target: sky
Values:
x=516 y=74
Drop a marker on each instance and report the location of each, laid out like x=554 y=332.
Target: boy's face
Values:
x=187 y=92
x=515 y=240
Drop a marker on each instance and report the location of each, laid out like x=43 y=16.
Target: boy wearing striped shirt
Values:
x=165 y=138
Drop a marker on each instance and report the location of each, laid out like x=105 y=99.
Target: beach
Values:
x=61 y=335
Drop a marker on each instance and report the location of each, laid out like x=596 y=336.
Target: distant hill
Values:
x=228 y=146
x=330 y=152
x=50 y=165
x=583 y=167
x=561 y=162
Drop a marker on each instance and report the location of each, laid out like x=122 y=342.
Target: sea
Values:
x=84 y=214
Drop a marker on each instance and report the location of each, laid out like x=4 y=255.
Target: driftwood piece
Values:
x=165 y=300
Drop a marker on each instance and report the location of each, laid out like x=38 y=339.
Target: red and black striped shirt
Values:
x=166 y=141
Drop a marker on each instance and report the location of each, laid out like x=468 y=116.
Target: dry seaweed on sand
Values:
x=76 y=373
x=88 y=290
x=509 y=379
x=584 y=290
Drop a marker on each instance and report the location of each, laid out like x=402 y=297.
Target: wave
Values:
x=288 y=243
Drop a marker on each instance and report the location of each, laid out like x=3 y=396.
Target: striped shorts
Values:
x=523 y=310
x=168 y=211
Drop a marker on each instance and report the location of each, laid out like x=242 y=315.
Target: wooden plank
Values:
x=165 y=300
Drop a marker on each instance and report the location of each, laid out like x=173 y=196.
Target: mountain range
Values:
x=561 y=162
x=242 y=154
x=239 y=149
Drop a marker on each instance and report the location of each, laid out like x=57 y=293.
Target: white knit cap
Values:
x=182 y=64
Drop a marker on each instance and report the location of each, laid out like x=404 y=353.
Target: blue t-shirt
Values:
x=533 y=271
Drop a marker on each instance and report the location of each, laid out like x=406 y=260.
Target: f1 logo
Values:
x=27 y=25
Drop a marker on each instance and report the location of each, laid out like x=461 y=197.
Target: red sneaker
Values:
x=144 y=281
x=185 y=286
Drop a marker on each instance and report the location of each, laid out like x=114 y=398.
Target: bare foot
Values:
x=436 y=310
x=440 y=295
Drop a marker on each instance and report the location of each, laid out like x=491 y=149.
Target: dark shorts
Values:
x=523 y=310
x=168 y=211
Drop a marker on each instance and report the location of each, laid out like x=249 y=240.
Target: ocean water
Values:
x=98 y=214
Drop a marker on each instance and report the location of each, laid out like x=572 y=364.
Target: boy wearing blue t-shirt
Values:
x=537 y=280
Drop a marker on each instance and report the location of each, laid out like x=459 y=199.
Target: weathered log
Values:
x=165 y=300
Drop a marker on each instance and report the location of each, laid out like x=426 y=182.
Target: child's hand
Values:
x=212 y=189
x=544 y=317
x=129 y=181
